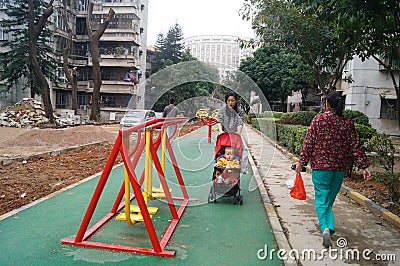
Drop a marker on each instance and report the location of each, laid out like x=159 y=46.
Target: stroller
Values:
x=232 y=175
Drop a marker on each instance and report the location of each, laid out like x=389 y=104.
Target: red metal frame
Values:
x=210 y=122
x=81 y=238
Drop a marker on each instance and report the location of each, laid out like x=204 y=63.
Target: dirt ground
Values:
x=26 y=181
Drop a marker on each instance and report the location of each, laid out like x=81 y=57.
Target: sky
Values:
x=197 y=17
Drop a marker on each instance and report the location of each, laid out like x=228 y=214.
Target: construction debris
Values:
x=30 y=113
x=25 y=113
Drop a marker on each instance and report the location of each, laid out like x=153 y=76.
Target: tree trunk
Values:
x=34 y=33
x=94 y=39
x=70 y=77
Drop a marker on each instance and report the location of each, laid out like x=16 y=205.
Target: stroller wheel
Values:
x=212 y=196
x=241 y=200
x=236 y=201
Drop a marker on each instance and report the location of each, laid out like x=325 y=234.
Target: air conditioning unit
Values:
x=82 y=107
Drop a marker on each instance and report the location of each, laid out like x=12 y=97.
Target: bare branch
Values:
x=105 y=23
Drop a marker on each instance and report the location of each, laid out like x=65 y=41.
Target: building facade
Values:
x=122 y=54
x=372 y=92
x=222 y=51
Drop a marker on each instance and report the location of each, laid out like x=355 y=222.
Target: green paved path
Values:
x=207 y=234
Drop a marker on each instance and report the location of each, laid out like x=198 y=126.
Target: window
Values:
x=81 y=26
x=388 y=108
x=81 y=99
x=390 y=61
x=61 y=99
x=3 y=34
x=81 y=5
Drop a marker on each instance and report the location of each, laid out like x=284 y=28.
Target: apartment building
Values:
x=222 y=51
x=122 y=54
x=372 y=92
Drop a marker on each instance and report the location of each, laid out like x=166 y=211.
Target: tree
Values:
x=373 y=25
x=169 y=48
x=35 y=29
x=16 y=58
x=184 y=81
x=277 y=72
x=70 y=75
x=289 y=25
x=94 y=38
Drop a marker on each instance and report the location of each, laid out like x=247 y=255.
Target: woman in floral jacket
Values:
x=329 y=142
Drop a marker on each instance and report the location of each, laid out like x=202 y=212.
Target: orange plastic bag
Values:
x=298 y=191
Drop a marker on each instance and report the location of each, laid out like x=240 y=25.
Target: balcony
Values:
x=395 y=64
x=114 y=87
x=106 y=60
x=120 y=35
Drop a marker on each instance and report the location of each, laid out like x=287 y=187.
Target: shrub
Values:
x=267 y=126
x=277 y=115
x=298 y=118
x=365 y=133
x=292 y=136
x=384 y=148
x=287 y=118
x=357 y=117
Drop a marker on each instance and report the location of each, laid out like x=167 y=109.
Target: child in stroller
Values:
x=226 y=174
x=226 y=166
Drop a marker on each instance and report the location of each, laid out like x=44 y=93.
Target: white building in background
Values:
x=222 y=51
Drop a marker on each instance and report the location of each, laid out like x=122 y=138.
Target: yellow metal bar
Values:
x=127 y=198
x=150 y=162
x=163 y=145
x=146 y=167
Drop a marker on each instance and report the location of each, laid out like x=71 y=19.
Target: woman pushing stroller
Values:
x=230 y=117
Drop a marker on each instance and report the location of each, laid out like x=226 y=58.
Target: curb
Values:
x=5 y=162
x=356 y=196
x=273 y=217
x=372 y=206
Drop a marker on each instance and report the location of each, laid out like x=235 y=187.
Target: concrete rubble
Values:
x=30 y=113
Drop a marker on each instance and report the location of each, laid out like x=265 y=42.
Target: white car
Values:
x=135 y=117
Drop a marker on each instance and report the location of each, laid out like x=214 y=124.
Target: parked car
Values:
x=135 y=117
x=158 y=114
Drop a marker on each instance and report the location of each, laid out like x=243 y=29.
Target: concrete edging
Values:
x=356 y=196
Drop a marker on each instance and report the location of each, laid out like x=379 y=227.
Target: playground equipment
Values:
x=207 y=120
x=142 y=189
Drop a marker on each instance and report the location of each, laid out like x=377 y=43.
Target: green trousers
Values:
x=326 y=186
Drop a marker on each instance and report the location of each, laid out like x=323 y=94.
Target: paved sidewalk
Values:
x=357 y=229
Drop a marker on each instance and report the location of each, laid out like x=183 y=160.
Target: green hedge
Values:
x=291 y=129
x=357 y=117
x=292 y=136
x=298 y=118
x=365 y=133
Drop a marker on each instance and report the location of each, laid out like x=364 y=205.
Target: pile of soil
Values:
x=59 y=138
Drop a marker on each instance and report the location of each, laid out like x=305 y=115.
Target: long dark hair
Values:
x=336 y=102
x=234 y=94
